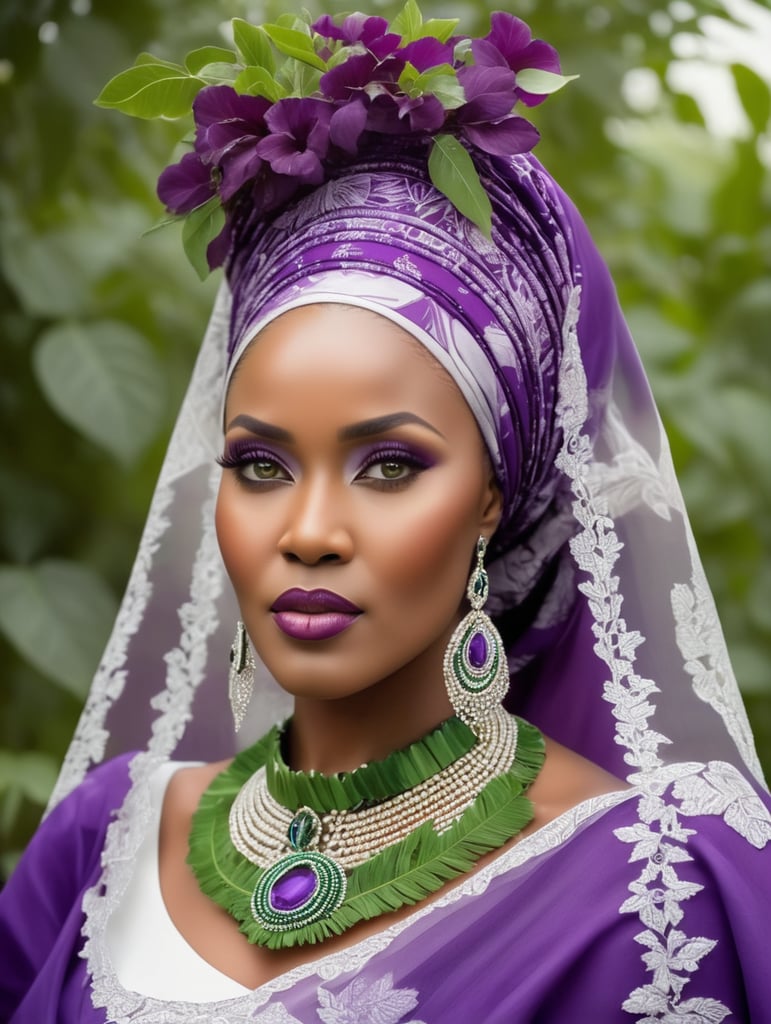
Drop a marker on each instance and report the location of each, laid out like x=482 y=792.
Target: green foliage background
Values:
x=99 y=325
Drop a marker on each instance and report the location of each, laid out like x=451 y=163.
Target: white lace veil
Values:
x=658 y=686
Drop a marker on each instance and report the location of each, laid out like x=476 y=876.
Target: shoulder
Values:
x=184 y=792
x=566 y=780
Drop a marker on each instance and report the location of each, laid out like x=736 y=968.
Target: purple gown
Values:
x=543 y=940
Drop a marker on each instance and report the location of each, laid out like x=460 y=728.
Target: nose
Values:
x=317 y=529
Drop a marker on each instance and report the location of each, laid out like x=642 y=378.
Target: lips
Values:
x=313 y=614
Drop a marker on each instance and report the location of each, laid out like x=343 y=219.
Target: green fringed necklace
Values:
x=298 y=857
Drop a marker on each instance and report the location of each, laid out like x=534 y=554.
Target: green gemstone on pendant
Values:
x=304 y=830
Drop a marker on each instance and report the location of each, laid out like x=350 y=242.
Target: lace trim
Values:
x=125 y=1007
x=700 y=640
x=185 y=669
x=659 y=838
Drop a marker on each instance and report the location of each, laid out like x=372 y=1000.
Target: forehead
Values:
x=352 y=355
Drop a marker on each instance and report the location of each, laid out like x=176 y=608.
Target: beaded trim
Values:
x=259 y=825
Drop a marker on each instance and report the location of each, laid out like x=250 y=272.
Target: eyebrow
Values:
x=260 y=428
x=381 y=424
x=356 y=431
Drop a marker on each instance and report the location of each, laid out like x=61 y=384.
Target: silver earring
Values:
x=476 y=672
x=241 y=675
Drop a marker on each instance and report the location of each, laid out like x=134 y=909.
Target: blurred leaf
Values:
x=57 y=615
x=104 y=379
x=31 y=511
x=755 y=96
x=32 y=773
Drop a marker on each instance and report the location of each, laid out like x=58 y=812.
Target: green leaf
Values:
x=149 y=91
x=219 y=73
x=201 y=227
x=540 y=82
x=294 y=43
x=103 y=378
x=441 y=28
x=259 y=82
x=58 y=616
x=150 y=58
x=408 y=23
x=440 y=81
x=196 y=60
x=452 y=171
x=301 y=79
x=254 y=45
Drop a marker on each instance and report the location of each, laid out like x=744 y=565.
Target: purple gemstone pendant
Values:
x=293 y=889
x=299 y=889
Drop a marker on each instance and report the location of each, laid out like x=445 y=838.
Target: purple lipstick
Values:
x=313 y=614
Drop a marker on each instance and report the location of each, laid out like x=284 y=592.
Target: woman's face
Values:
x=354 y=489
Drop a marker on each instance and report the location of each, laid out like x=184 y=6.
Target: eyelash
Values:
x=239 y=457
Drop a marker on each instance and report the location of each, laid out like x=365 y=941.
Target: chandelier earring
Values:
x=240 y=675
x=476 y=671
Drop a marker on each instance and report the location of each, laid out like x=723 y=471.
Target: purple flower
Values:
x=229 y=126
x=486 y=118
x=347 y=124
x=299 y=138
x=398 y=114
x=356 y=28
x=426 y=53
x=184 y=186
x=510 y=43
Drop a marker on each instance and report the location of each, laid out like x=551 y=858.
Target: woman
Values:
x=408 y=405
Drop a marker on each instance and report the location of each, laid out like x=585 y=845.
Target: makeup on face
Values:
x=313 y=614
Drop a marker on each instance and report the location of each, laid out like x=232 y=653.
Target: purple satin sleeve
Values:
x=42 y=977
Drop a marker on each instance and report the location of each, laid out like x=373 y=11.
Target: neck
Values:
x=340 y=735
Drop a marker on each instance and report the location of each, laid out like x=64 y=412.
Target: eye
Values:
x=253 y=467
x=263 y=470
x=392 y=468
x=387 y=470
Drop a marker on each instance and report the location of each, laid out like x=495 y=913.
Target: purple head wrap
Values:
x=491 y=310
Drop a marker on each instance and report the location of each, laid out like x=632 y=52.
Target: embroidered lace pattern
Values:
x=659 y=839
x=700 y=639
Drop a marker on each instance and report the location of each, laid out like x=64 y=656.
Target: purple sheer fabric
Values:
x=540 y=942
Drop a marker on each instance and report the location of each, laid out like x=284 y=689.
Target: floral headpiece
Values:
x=294 y=101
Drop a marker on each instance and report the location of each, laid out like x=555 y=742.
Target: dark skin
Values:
x=369 y=480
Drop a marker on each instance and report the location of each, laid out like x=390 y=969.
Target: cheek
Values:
x=240 y=544
x=428 y=549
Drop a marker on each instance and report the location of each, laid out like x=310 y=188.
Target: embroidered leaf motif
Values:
x=721 y=789
x=378 y=1002
x=698 y=1011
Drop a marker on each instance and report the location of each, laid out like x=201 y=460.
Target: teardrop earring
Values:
x=240 y=675
x=476 y=671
